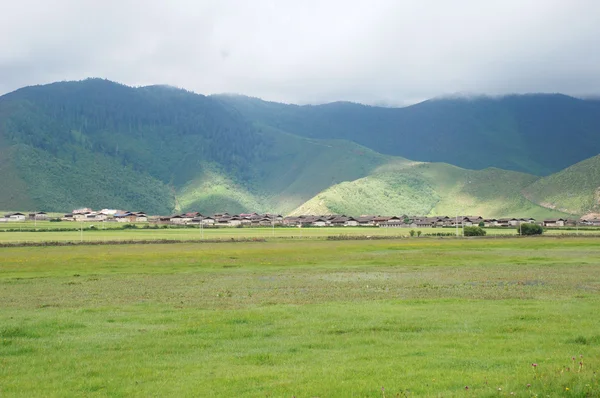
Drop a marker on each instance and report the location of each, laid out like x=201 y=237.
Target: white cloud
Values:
x=388 y=51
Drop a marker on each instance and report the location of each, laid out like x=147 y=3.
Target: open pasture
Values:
x=10 y=233
x=386 y=318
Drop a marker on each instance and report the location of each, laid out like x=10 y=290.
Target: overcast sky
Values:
x=304 y=51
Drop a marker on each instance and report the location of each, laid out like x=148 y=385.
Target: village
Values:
x=271 y=220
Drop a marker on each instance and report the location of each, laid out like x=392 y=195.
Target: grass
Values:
x=431 y=188
x=9 y=232
x=574 y=189
x=307 y=318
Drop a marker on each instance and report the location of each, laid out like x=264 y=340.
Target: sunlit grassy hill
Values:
x=434 y=189
x=573 y=190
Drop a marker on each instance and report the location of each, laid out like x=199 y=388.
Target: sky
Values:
x=383 y=52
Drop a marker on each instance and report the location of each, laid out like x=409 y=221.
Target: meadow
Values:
x=306 y=318
x=50 y=231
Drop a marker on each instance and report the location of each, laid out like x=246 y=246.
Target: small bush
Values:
x=412 y=232
x=474 y=231
x=530 y=229
x=440 y=234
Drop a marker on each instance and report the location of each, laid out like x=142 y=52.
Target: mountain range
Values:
x=96 y=143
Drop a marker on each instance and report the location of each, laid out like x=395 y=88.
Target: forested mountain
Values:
x=96 y=142
x=538 y=134
x=160 y=149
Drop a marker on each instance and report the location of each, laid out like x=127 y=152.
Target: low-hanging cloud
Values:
x=377 y=51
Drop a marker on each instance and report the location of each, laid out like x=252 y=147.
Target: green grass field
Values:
x=302 y=318
x=9 y=232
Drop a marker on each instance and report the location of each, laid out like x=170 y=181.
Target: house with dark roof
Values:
x=554 y=222
x=15 y=216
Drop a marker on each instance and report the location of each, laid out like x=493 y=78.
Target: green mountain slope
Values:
x=13 y=188
x=101 y=144
x=293 y=170
x=574 y=190
x=431 y=189
x=524 y=133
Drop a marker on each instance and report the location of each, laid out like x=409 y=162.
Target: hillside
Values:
x=573 y=190
x=96 y=143
x=431 y=189
x=524 y=133
x=293 y=170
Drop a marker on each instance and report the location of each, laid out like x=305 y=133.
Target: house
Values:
x=529 y=220
x=67 y=217
x=234 y=221
x=339 y=221
x=470 y=222
x=395 y=222
x=278 y=218
x=351 y=222
x=554 y=222
x=80 y=216
x=110 y=212
x=185 y=218
x=180 y=219
x=490 y=222
x=125 y=217
x=249 y=215
x=202 y=220
x=140 y=216
x=380 y=219
x=366 y=221
x=595 y=222
x=192 y=214
x=423 y=223
x=444 y=221
x=507 y=222
x=84 y=210
x=208 y=220
x=15 y=217
x=40 y=215
x=318 y=221
x=292 y=221
x=223 y=221
x=176 y=219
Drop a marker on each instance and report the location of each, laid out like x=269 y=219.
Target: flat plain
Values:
x=305 y=318
x=77 y=232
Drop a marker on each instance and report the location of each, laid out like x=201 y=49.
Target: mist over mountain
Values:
x=162 y=149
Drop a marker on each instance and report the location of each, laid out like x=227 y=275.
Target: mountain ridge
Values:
x=163 y=149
